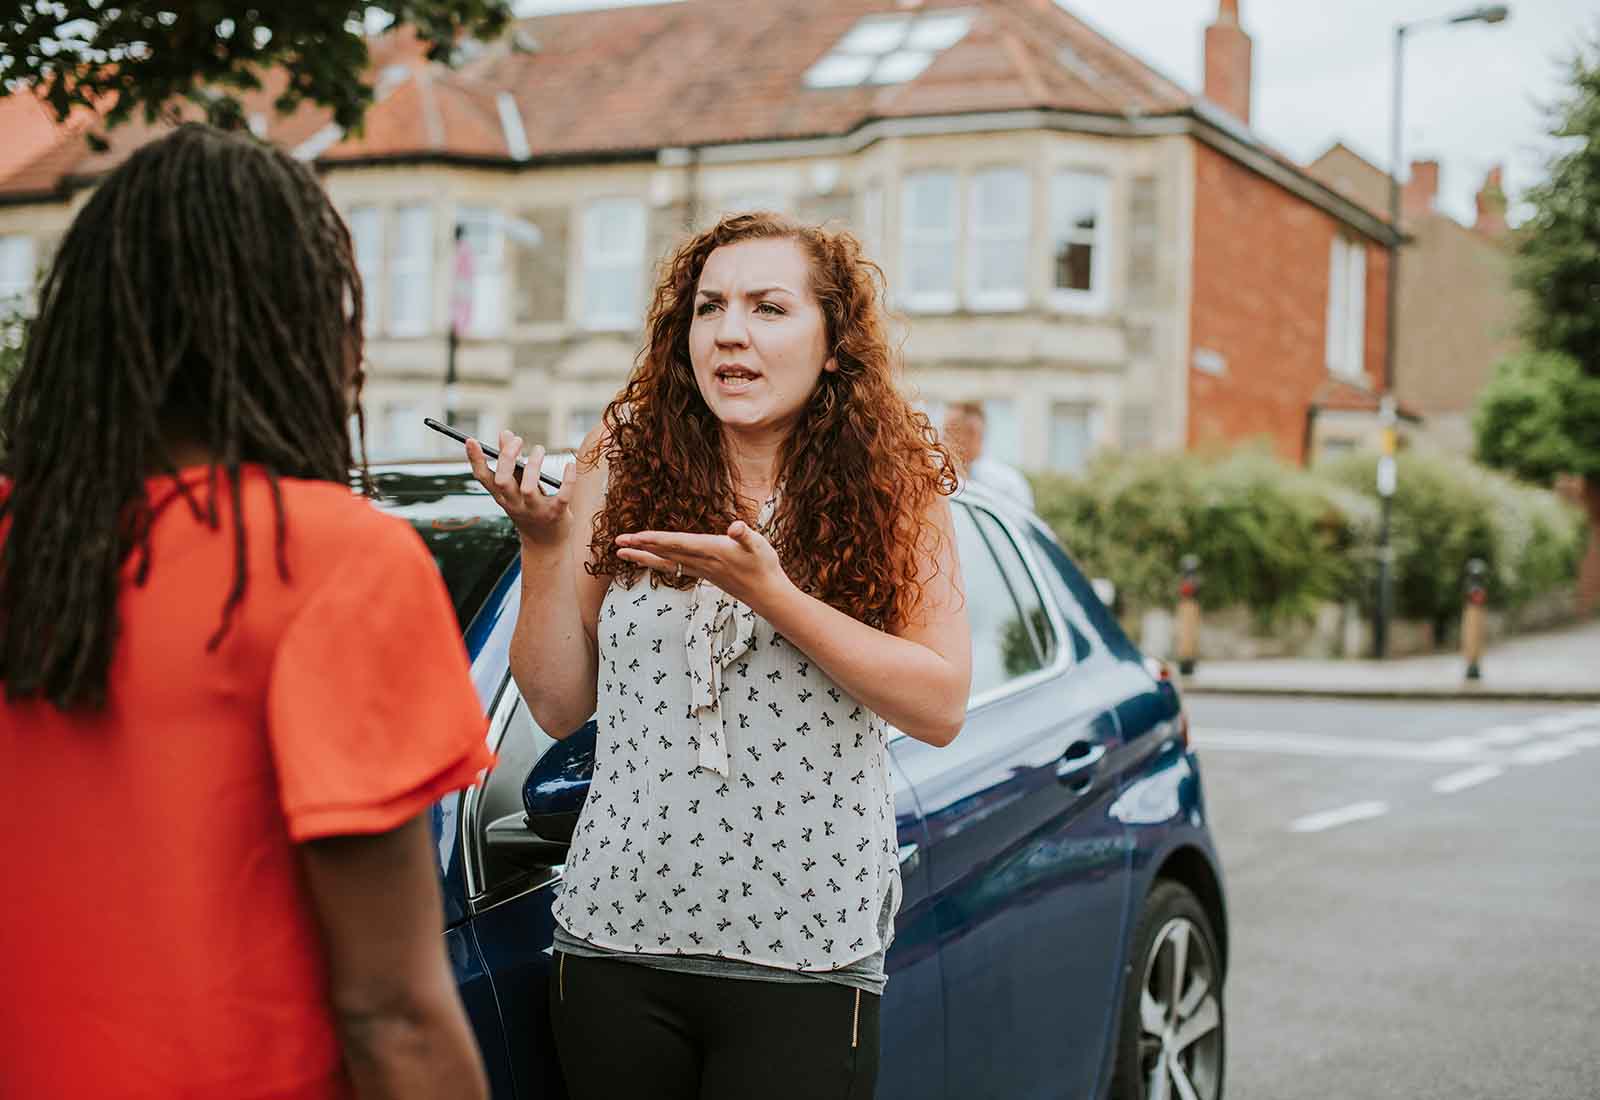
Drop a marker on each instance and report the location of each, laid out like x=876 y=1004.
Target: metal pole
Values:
x=454 y=338
x=1380 y=619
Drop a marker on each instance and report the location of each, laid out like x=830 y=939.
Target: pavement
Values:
x=1558 y=666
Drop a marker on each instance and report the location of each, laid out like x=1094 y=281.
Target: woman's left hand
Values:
x=742 y=563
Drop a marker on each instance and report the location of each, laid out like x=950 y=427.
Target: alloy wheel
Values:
x=1180 y=1017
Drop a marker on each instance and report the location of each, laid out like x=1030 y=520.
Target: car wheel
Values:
x=1170 y=1038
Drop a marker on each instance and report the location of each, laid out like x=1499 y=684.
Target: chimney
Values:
x=1228 y=62
x=1421 y=193
x=1492 y=205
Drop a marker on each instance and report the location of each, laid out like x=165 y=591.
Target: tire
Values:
x=1162 y=1037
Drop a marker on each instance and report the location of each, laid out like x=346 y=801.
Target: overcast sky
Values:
x=1322 y=74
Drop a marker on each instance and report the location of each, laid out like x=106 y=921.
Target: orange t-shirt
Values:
x=156 y=937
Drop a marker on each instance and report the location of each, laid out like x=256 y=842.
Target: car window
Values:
x=1034 y=615
x=1002 y=647
x=1055 y=566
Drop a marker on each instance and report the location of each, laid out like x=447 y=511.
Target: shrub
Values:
x=1279 y=540
x=1269 y=536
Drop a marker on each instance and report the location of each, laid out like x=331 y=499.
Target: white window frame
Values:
x=943 y=299
x=17 y=259
x=405 y=264
x=1096 y=298
x=1347 y=308
x=625 y=261
x=366 y=237
x=1015 y=231
x=488 y=317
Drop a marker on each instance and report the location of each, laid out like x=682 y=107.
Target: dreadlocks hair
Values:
x=206 y=294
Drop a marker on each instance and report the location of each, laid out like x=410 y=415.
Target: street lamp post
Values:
x=1388 y=411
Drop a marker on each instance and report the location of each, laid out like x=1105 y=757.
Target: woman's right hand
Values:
x=541 y=520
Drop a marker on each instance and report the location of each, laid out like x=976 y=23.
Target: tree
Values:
x=153 y=56
x=1540 y=417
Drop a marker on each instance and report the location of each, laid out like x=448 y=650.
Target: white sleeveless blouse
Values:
x=741 y=804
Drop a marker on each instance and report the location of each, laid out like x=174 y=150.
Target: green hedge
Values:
x=1280 y=540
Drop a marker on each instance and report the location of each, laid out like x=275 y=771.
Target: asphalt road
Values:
x=1415 y=897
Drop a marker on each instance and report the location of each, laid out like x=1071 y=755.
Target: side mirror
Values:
x=556 y=787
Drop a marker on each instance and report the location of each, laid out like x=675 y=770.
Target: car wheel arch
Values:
x=1188 y=866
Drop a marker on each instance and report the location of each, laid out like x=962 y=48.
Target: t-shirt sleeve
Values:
x=371 y=710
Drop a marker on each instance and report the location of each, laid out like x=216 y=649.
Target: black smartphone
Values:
x=459 y=437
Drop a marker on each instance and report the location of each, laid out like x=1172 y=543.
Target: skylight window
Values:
x=901 y=66
x=888 y=49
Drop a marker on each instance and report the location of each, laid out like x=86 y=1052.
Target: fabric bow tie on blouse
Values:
x=719 y=632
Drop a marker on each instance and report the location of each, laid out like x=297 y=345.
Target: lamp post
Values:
x=1388 y=411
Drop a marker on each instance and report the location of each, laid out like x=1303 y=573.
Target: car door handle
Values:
x=1076 y=767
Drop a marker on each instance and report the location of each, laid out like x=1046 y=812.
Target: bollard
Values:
x=1188 y=647
x=1472 y=617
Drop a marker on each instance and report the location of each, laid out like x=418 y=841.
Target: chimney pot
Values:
x=1421 y=194
x=1492 y=205
x=1228 y=62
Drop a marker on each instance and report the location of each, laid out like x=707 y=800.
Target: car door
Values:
x=911 y=1029
x=1027 y=870
x=510 y=899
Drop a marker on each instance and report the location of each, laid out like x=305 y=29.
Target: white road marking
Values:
x=1543 y=753
x=1460 y=781
x=1330 y=819
x=1584 y=739
x=1500 y=736
x=1561 y=723
x=1320 y=744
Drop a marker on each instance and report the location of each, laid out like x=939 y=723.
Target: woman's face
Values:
x=759 y=340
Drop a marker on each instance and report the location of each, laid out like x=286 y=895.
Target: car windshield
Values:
x=469 y=538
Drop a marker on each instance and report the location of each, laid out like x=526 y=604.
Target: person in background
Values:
x=964 y=428
x=749 y=576
x=233 y=688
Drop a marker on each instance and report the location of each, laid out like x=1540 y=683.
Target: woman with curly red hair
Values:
x=748 y=576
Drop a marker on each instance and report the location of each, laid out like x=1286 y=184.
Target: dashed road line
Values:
x=1460 y=781
x=1344 y=815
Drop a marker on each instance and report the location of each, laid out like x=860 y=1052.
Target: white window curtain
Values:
x=997 y=239
x=366 y=235
x=929 y=235
x=1072 y=436
x=411 y=271
x=1347 y=308
x=483 y=294
x=1079 y=230
x=613 y=263
x=16 y=274
x=872 y=221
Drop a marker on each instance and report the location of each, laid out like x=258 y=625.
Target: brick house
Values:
x=1458 y=309
x=1103 y=258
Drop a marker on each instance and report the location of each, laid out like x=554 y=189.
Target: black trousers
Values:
x=626 y=1030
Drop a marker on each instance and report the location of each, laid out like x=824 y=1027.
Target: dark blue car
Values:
x=1063 y=931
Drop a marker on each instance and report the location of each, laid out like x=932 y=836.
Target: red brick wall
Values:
x=1261 y=300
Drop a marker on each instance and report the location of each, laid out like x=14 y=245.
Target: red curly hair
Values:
x=859 y=472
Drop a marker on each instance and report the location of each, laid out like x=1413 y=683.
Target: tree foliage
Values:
x=150 y=57
x=1540 y=417
x=1559 y=255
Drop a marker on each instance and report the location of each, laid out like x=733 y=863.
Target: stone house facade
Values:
x=1103 y=258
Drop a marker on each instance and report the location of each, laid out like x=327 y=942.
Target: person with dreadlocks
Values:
x=233 y=688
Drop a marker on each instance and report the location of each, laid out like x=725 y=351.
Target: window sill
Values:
x=931 y=304
x=1076 y=302
x=604 y=324
x=997 y=303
